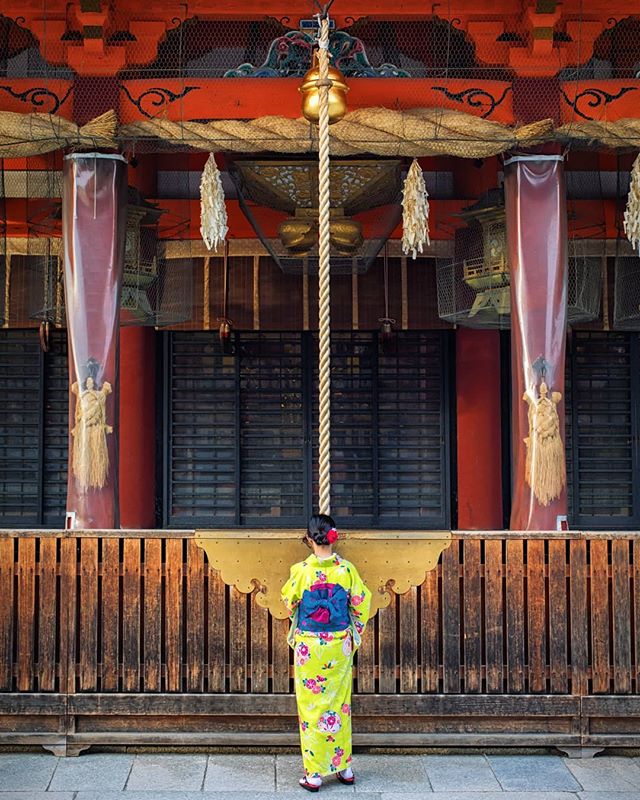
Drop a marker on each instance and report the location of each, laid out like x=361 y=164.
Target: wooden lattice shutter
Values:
x=602 y=429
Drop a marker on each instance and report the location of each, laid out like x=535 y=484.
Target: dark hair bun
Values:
x=318 y=528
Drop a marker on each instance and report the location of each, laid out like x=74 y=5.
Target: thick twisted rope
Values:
x=23 y=135
x=378 y=131
x=324 y=273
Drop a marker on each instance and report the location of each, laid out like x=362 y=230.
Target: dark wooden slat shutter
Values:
x=602 y=381
x=389 y=430
x=201 y=485
x=242 y=430
x=353 y=412
x=20 y=427
x=412 y=431
x=56 y=432
x=271 y=428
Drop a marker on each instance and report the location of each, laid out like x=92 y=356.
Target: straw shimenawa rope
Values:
x=379 y=131
x=24 y=135
x=324 y=274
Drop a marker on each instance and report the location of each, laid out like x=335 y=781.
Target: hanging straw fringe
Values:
x=213 y=212
x=545 y=465
x=632 y=211
x=415 y=212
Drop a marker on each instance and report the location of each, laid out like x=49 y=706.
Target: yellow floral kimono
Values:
x=323 y=659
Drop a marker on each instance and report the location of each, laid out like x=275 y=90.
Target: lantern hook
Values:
x=323 y=9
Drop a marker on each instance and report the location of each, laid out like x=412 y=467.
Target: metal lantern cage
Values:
x=156 y=291
x=474 y=287
x=626 y=293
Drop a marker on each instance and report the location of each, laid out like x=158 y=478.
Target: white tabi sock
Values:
x=347 y=773
x=311 y=780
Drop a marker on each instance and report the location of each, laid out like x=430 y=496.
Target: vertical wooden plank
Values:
x=621 y=616
x=217 y=623
x=355 y=305
x=206 y=293
x=88 y=605
x=26 y=611
x=281 y=654
x=451 y=618
x=195 y=617
x=537 y=610
x=237 y=640
x=409 y=640
x=109 y=672
x=7 y=567
x=578 y=615
x=47 y=627
x=173 y=614
x=256 y=293
x=429 y=629
x=599 y=616
x=152 y=614
x=472 y=605
x=366 y=660
x=387 y=648
x=259 y=648
x=493 y=612
x=405 y=293
x=68 y=583
x=636 y=601
x=558 y=631
x=515 y=616
x=131 y=615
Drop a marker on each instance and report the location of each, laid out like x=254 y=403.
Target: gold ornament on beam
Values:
x=390 y=561
x=310 y=90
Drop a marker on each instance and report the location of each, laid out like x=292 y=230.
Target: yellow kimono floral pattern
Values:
x=323 y=665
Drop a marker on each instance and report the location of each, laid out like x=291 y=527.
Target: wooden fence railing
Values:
x=129 y=637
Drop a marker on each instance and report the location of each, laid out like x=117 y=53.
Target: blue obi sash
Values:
x=324 y=607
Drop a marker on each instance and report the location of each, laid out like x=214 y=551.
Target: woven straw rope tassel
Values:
x=213 y=212
x=415 y=212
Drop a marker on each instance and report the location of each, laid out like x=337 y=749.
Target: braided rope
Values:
x=414 y=133
x=23 y=135
x=324 y=274
x=377 y=131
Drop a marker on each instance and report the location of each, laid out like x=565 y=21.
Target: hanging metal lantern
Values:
x=310 y=90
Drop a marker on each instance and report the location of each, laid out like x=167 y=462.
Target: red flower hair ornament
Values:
x=332 y=536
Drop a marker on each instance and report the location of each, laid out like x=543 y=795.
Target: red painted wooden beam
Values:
x=248 y=98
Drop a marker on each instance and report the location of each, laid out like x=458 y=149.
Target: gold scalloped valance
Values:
x=387 y=561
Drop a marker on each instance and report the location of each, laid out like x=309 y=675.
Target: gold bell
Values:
x=311 y=94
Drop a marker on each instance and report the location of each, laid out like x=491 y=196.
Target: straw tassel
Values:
x=545 y=465
x=632 y=211
x=213 y=212
x=415 y=212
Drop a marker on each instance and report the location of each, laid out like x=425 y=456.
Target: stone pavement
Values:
x=125 y=776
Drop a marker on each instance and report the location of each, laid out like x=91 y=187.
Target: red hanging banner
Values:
x=535 y=200
x=94 y=208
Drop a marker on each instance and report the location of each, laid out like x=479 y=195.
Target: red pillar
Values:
x=138 y=397
x=137 y=427
x=478 y=429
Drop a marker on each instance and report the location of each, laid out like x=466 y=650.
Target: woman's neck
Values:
x=322 y=550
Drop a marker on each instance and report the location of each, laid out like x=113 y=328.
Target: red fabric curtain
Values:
x=535 y=200
x=94 y=207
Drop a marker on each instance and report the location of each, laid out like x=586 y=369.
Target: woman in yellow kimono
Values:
x=329 y=607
